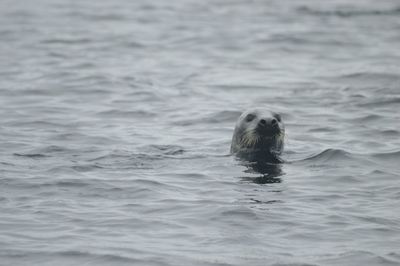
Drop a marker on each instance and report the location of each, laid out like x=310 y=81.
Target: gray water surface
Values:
x=116 y=119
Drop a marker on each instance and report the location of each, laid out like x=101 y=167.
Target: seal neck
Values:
x=259 y=155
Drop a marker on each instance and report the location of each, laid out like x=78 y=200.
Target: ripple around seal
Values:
x=332 y=155
x=163 y=150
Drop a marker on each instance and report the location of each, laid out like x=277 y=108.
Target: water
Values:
x=116 y=120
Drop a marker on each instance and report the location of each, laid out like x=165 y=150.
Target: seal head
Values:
x=258 y=136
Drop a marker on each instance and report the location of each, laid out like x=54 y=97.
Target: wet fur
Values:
x=248 y=143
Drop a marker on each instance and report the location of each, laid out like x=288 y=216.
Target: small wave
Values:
x=368 y=118
x=96 y=16
x=322 y=129
x=391 y=133
x=86 y=167
x=236 y=212
x=349 y=12
x=223 y=116
x=381 y=102
x=368 y=78
x=167 y=149
x=115 y=161
x=345 y=158
x=147 y=157
x=79 y=258
x=68 y=41
x=212 y=118
x=329 y=154
x=370 y=75
x=295 y=264
x=395 y=156
x=360 y=257
x=31 y=155
x=44 y=152
x=333 y=157
x=117 y=113
x=73 y=183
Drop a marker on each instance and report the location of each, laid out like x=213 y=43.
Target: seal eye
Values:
x=278 y=117
x=250 y=117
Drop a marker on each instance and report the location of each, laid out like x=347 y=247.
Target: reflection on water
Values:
x=269 y=172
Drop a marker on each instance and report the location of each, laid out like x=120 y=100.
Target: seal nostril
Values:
x=274 y=122
x=263 y=122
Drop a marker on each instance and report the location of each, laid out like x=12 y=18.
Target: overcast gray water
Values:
x=116 y=119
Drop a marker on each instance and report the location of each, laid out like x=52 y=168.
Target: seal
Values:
x=258 y=136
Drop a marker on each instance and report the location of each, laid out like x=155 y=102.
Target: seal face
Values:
x=258 y=136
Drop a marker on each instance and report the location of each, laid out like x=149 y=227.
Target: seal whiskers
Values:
x=249 y=138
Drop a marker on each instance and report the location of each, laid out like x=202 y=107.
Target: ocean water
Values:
x=116 y=119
